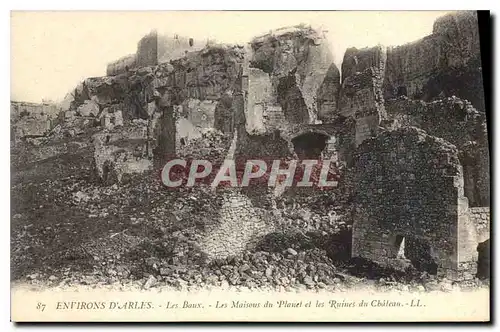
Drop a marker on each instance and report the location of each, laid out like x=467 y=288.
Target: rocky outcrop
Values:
x=443 y=64
x=176 y=102
x=297 y=61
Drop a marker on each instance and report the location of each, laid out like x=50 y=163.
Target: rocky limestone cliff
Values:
x=293 y=64
x=443 y=64
x=425 y=84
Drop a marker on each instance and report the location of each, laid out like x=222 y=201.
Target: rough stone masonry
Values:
x=409 y=189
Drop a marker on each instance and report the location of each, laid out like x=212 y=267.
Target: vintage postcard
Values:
x=266 y=166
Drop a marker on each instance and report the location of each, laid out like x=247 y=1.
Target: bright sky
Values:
x=52 y=51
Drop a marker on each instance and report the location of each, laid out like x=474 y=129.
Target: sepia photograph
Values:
x=259 y=166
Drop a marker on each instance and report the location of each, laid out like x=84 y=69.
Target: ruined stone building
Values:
x=406 y=125
x=31 y=119
x=154 y=49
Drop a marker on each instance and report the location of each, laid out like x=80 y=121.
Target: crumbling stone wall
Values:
x=459 y=123
x=262 y=111
x=31 y=127
x=197 y=92
x=121 y=65
x=480 y=216
x=241 y=225
x=175 y=47
x=24 y=109
x=31 y=119
x=409 y=185
x=121 y=152
x=111 y=117
x=147 y=50
x=361 y=95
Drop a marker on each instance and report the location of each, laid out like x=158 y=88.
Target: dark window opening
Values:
x=483 y=261
x=105 y=171
x=309 y=145
x=401 y=91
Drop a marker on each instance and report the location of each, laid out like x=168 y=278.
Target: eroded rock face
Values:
x=443 y=64
x=297 y=60
x=327 y=95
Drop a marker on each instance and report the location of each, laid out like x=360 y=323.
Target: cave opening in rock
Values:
x=310 y=145
x=483 y=261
